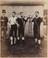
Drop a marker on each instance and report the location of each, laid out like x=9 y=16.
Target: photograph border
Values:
x=20 y=4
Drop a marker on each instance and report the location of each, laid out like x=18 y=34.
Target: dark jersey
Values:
x=37 y=22
x=21 y=21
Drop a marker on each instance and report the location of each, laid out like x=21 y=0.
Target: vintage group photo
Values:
x=23 y=30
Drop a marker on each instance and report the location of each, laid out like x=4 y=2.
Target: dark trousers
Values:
x=20 y=35
x=3 y=31
x=21 y=31
x=37 y=32
x=13 y=30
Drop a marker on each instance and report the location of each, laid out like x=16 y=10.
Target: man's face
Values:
x=22 y=14
x=3 y=14
x=36 y=14
x=13 y=14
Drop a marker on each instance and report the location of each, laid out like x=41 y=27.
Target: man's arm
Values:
x=9 y=20
x=17 y=22
x=6 y=19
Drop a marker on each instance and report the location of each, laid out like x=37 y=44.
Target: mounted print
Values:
x=23 y=26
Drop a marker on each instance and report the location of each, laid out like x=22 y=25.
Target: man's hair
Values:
x=37 y=12
x=21 y=12
x=14 y=12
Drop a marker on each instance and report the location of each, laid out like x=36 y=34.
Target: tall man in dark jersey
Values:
x=37 y=21
x=21 y=22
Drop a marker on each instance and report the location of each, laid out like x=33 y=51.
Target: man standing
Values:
x=21 y=22
x=37 y=23
x=4 y=21
x=13 y=30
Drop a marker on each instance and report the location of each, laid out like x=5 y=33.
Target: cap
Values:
x=3 y=11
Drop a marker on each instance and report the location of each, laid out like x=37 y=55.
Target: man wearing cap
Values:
x=4 y=21
x=13 y=31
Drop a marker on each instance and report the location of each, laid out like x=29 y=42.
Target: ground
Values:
x=28 y=50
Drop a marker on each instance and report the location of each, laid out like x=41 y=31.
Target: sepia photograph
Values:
x=23 y=28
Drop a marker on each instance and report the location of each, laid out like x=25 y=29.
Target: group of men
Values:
x=18 y=23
